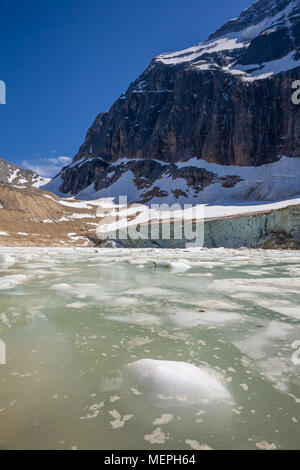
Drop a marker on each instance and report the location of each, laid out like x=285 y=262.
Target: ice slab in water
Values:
x=174 y=266
x=149 y=292
x=6 y=261
x=171 y=383
x=188 y=319
x=264 y=286
x=256 y=346
x=280 y=306
x=10 y=282
x=142 y=319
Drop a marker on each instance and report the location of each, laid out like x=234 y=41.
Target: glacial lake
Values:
x=149 y=349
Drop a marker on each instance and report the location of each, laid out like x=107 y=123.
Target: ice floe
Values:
x=256 y=346
x=175 y=266
x=189 y=319
x=10 y=282
x=6 y=261
x=171 y=383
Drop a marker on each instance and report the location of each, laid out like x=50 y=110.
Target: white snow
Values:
x=239 y=40
x=13 y=176
x=54 y=185
x=77 y=216
x=71 y=202
x=124 y=186
x=193 y=53
x=265 y=188
x=268 y=69
x=270 y=186
x=271 y=182
x=40 y=181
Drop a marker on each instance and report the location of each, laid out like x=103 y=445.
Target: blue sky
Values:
x=65 y=61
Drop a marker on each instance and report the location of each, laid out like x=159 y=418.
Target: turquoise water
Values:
x=74 y=320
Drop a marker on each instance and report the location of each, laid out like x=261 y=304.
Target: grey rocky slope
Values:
x=18 y=177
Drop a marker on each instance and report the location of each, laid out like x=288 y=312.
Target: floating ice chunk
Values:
x=61 y=287
x=6 y=261
x=119 y=422
x=164 y=419
x=169 y=383
x=196 y=446
x=264 y=286
x=256 y=346
x=162 y=264
x=149 y=292
x=247 y=286
x=264 y=445
x=180 y=267
x=10 y=282
x=175 y=266
x=277 y=370
x=124 y=301
x=157 y=437
x=218 y=304
x=185 y=319
x=219 y=317
x=285 y=307
x=136 y=319
x=5 y=320
x=188 y=319
x=77 y=305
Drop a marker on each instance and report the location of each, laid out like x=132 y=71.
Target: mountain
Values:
x=214 y=122
x=18 y=177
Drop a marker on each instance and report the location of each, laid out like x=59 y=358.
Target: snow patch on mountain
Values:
x=229 y=48
x=270 y=182
x=54 y=185
x=193 y=53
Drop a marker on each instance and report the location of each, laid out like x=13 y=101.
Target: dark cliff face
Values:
x=225 y=101
x=208 y=114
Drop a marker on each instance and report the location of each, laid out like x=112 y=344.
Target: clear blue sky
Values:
x=65 y=61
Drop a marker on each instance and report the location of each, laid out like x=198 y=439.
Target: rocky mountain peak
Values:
x=225 y=102
x=265 y=32
x=254 y=14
